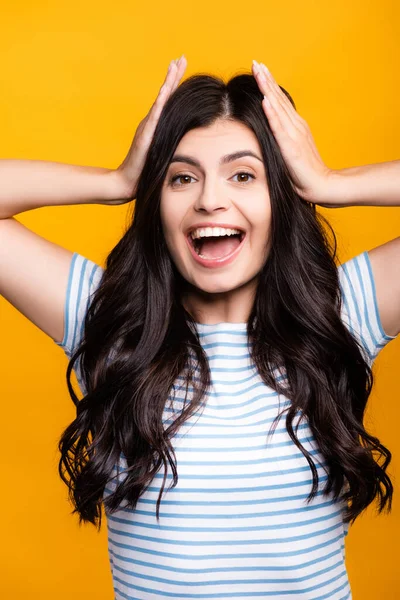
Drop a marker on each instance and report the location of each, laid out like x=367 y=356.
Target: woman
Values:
x=224 y=359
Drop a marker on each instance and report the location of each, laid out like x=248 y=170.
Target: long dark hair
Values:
x=138 y=338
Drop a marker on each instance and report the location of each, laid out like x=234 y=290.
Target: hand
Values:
x=133 y=164
x=310 y=175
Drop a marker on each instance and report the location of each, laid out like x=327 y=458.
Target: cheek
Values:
x=172 y=214
x=261 y=222
x=260 y=215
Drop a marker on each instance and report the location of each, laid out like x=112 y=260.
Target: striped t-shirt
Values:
x=237 y=524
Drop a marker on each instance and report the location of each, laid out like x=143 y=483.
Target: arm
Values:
x=34 y=272
x=370 y=185
x=30 y=184
x=385 y=262
x=375 y=185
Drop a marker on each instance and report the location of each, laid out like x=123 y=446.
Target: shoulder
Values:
x=360 y=310
x=84 y=278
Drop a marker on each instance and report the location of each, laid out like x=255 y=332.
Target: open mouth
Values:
x=214 y=247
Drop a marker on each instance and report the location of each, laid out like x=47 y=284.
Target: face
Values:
x=234 y=193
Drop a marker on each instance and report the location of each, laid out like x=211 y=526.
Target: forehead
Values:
x=209 y=143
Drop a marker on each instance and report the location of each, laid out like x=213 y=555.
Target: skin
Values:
x=217 y=193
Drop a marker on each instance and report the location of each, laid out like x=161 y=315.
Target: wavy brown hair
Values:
x=138 y=338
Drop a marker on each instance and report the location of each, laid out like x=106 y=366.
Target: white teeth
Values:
x=213 y=231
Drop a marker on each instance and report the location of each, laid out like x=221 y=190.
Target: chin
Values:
x=222 y=284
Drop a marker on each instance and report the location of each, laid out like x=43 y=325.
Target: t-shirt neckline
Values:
x=222 y=325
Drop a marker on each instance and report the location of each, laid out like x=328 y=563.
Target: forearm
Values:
x=369 y=185
x=29 y=184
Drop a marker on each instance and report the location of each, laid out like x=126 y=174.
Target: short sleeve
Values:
x=84 y=278
x=360 y=311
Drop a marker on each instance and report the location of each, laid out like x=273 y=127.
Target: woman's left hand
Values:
x=311 y=177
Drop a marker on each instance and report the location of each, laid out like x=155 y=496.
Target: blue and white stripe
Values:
x=84 y=278
x=237 y=525
x=360 y=311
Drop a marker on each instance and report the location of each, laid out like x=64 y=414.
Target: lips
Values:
x=215 y=262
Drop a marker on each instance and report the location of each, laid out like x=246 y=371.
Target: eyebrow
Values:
x=227 y=158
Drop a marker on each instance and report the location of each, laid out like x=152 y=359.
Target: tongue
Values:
x=217 y=247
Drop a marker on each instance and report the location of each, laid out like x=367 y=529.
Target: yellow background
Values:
x=76 y=79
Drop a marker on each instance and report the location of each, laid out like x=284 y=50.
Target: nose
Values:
x=211 y=197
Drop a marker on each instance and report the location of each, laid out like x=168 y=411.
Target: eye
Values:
x=174 y=179
x=244 y=173
x=179 y=176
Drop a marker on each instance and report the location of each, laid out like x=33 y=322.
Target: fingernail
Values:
x=267 y=102
x=265 y=68
x=256 y=66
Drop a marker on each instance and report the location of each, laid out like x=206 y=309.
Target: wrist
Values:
x=118 y=188
x=337 y=190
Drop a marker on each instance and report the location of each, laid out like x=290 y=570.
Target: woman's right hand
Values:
x=130 y=169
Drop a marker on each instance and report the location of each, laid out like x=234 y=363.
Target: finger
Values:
x=264 y=83
x=169 y=78
x=279 y=110
x=165 y=91
x=278 y=126
x=174 y=75
x=181 y=65
x=278 y=99
x=175 y=71
x=168 y=84
x=275 y=89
